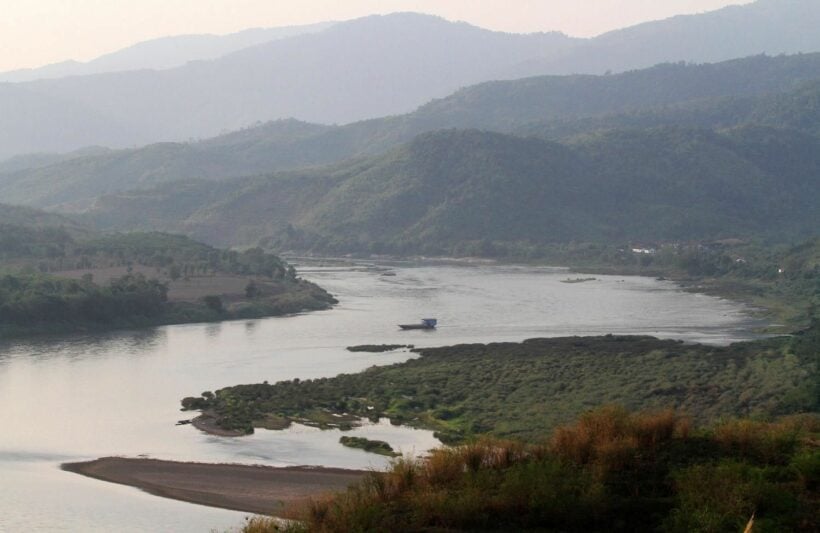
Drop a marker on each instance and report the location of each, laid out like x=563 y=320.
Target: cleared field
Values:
x=228 y=286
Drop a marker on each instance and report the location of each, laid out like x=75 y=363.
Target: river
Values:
x=82 y=397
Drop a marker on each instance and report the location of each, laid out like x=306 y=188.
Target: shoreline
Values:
x=782 y=318
x=257 y=489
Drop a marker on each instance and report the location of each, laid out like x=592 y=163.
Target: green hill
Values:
x=460 y=191
x=704 y=96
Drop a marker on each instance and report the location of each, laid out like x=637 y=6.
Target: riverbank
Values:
x=175 y=304
x=779 y=282
x=247 y=488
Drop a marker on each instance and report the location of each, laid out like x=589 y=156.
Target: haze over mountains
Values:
x=701 y=168
x=445 y=190
x=163 y=53
x=339 y=75
x=676 y=151
x=720 y=95
x=728 y=33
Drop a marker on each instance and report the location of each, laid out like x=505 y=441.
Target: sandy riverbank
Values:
x=248 y=488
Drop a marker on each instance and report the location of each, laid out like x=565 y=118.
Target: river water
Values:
x=77 y=398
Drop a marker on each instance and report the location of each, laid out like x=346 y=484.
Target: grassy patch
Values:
x=373 y=446
x=608 y=471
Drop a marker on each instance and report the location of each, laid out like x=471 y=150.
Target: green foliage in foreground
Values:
x=610 y=471
x=525 y=390
x=374 y=446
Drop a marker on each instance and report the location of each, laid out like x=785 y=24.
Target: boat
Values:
x=426 y=323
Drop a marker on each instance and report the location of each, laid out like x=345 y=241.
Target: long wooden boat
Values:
x=426 y=323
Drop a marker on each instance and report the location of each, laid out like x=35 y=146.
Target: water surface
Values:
x=82 y=397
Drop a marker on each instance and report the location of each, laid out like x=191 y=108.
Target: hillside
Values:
x=455 y=192
x=779 y=91
x=26 y=216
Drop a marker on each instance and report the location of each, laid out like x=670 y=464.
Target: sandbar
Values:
x=249 y=488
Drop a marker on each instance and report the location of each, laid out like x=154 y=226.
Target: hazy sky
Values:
x=38 y=32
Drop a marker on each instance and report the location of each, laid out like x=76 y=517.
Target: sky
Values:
x=38 y=32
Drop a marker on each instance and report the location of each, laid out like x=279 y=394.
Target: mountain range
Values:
x=460 y=191
x=338 y=75
x=754 y=90
x=162 y=53
x=447 y=190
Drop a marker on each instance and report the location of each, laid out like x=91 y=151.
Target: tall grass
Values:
x=611 y=470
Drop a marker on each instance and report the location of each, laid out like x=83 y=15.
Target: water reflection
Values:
x=250 y=326
x=213 y=330
x=85 y=345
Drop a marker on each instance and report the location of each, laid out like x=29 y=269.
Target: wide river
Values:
x=76 y=398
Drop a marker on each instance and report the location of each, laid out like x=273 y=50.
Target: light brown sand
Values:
x=254 y=489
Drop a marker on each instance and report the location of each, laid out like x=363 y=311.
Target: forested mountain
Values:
x=458 y=191
x=338 y=75
x=760 y=90
x=163 y=53
x=73 y=180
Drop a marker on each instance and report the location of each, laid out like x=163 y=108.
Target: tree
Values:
x=213 y=302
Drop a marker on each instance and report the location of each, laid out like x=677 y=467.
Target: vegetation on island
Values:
x=525 y=390
x=608 y=471
x=376 y=348
x=373 y=446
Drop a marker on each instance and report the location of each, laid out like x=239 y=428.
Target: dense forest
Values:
x=37 y=302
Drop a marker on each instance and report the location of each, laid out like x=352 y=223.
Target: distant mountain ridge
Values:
x=367 y=68
x=163 y=53
x=772 y=27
